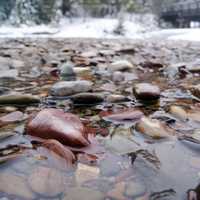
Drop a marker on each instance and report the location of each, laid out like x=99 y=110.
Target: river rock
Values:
x=5 y=63
x=86 y=173
x=194 y=67
x=12 y=73
x=67 y=72
x=152 y=128
x=108 y=161
x=19 y=99
x=82 y=70
x=61 y=150
x=46 y=182
x=120 y=145
x=172 y=71
x=114 y=98
x=87 y=98
x=18 y=64
x=12 y=117
x=66 y=88
x=6 y=134
x=55 y=124
x=15 y=185
x=117 y=192
x=118 y=76
x=178 y=112
x=195 y=90
x=146 y=91
x=78 y=193
x=125 y=116
x=121 y=65
x=5 y=91
x=135 y=189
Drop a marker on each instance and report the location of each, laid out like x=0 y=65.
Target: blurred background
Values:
x=96 y=18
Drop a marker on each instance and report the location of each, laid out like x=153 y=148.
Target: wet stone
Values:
x=153 y=128
x=117 y=192
x=172 y=71
x=82 y=70
x=78 y=193
x=135 y=189
x=15 y=185
x=105 y=166
x=120 y=145
x=67 y=72
x=121 y=65
x=55 y=124
x=5 y=90
x=125 y=116
x=195 y=90
x=86 y=173
x=178 y=112
x=5 y=63
x=66 y=88
x=19 y=99
x=12 y=74
x=146 y=92
x=114 y=98
x=118 y=76
x=87 y=98
x=46 y=182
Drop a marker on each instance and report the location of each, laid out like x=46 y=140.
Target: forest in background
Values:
x=46 y=11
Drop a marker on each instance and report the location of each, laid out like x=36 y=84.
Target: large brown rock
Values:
x=55 y=124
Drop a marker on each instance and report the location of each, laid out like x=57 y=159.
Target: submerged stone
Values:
x=118 y=76
x=125 y=116
x=153 y=128
x=46 y=182
x=55 y=124
x=15 y=185
x=86 y=173
x=195 y=90
x=178 y=112
x=12 y=74
x=78 y=193
x=135 y=189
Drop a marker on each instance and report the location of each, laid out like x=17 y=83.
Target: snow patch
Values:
x=134 y=26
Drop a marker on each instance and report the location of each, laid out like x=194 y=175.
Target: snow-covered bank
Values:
x=135 y=27
x=192 y=34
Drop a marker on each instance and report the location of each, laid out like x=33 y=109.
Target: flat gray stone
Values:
x=66 y=88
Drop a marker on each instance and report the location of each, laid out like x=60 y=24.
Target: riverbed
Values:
x=126 y=162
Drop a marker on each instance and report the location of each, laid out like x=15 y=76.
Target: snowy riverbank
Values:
x=135 y=27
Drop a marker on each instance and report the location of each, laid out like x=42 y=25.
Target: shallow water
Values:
x=167 y=169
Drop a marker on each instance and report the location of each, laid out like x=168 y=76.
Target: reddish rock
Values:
x=12 y=117
x=132 y=115
x=60 y=150
x=55 y=124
